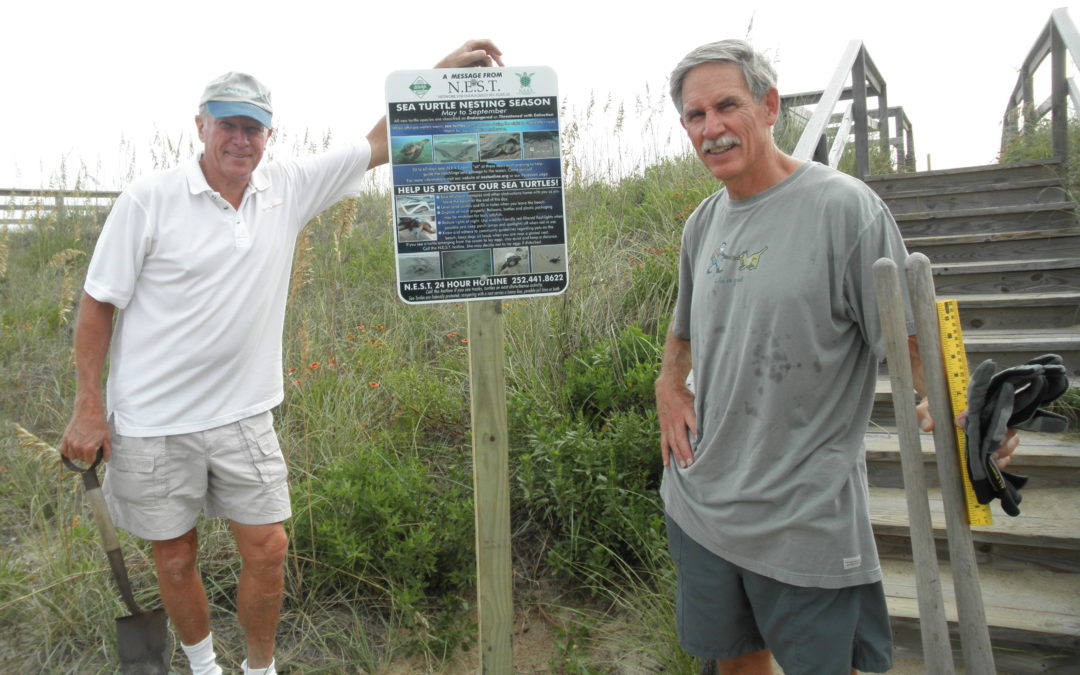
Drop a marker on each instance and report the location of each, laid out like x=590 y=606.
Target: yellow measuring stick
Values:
x=956 y=374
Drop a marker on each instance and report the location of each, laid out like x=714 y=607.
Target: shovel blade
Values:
x=143 y=643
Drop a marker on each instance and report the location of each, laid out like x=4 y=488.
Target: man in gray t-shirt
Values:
x=766 y=499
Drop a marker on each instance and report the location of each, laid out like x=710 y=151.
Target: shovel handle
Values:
x=105 y=527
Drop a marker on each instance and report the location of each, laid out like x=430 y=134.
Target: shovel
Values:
x=143 y=637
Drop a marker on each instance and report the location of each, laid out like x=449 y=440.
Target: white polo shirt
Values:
x=201 y=289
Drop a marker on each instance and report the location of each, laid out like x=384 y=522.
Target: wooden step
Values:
x=1017 y=346
x=1042 y=606
x=1044 y=537
x=1009 y=348
x=1007 y=276
x=949 y=198
x=1012 y=653
x=1004 y=242
x=1050 y=461
x=1021 y=245
x=991 y=174
x=1017 y=218
x=1059 y=310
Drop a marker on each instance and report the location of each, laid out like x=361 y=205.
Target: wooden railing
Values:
x=855 y=122
x=20 y=207
x=1059 y=36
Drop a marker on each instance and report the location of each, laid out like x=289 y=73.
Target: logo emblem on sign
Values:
x=420 y=87
x=525 y=81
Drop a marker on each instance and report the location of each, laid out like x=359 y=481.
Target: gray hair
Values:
x=758 y=72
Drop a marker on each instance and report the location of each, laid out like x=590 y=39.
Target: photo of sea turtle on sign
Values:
x=548 y=258
x=456 y=148
x=411 y=150
x=470 y=263
x=418 y=266
x=511 y=260
x=500 y=146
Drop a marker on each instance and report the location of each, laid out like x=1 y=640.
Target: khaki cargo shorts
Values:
x=156 y=487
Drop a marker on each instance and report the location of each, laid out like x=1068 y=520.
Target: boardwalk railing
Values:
x=21 y=207
x=1058 y=38
x=855 y=121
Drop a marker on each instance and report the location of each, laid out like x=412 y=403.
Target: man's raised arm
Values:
x=474 y=53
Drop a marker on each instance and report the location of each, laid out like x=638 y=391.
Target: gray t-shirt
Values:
x=776 y=295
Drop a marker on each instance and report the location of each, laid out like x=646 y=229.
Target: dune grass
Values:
x=375 y=428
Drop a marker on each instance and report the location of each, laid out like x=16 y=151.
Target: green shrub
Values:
x=587 y=478
x=379 y=522
x=654 y=285
x=615 y=375
x=591 y=492
x=1037 y=144
x=1069 y=406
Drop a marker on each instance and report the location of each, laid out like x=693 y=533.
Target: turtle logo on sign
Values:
x=525 y=80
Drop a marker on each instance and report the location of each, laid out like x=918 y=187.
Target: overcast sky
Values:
x=91 y=84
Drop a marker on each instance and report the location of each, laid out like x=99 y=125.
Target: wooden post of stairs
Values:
x=974 y=633
x=933 y=627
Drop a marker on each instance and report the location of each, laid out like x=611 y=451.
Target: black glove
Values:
x=1009 y=399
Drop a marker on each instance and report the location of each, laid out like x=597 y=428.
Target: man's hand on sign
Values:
x=473 y=53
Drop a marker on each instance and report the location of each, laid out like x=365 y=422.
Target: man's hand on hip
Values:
x=678 y=422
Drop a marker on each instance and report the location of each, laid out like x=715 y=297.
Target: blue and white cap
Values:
x=238 y=94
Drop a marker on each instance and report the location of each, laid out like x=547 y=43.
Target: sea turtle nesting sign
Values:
x=477 y=183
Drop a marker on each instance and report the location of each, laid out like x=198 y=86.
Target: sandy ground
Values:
x=535 y=646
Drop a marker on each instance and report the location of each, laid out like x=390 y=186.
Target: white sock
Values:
x=269 y=670
x=201 y=656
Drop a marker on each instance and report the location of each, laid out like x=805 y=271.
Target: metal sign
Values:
x=478 y=205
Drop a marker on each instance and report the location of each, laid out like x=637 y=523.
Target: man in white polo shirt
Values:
x=194 y=265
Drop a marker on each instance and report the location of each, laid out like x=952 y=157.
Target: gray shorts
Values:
x=723 y=611
x=156 y=487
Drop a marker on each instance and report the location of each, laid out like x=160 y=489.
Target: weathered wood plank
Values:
x=1007 y=277
x=1046 y=339
x=494 y=583
x=1049 y=460
x=996 y=219
x=1049 y=449
x=939 y=188
x=984 y=266
x=974 y=197
x=1014 y=651
x=1021 y=209
x=895 y=184
x=998 y=556
x=1048 y=518
x=1019 y=245
x=1021 y=317
x=1026 y=299
x=1048 y=603
x=982 y=238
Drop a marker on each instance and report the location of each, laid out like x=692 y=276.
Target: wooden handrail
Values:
x=1056 y=39
x=44 y=192
x=866 y=81
x=19 y=206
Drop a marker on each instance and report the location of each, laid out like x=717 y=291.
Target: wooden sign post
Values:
x=491 y=485
x=478 y=211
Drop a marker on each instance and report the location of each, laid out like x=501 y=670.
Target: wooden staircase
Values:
x=1004 y=241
